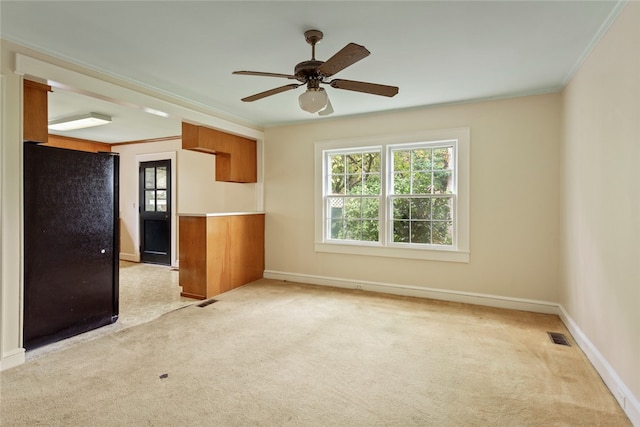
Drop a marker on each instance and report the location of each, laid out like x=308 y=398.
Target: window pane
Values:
x=337 y=164
x=335 y=207
x=353 y=229
x=337 y=229
x=371 y=162
x=401 y=231
x=337 y=184
x=161 y=177
x=150 y=200
x=442 y=208
x=161 y=200
x=354 y=163
x=370 y=230
x=421 y=183
x=420 y=232
x=442 y=233
x=442 y=158
x=421 y=208
x=401 y=209
x=401 y=184
x=370 y=208
x=442 y=183
x=401 y=160
x=352 y=207
x=354 y=184
x=149 y=177
x=371 y=184
x=421 y=159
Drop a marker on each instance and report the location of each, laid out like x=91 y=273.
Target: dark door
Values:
x=71 y=242
x=155 y=212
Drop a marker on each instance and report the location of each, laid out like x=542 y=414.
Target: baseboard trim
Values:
x=420 y=292
x=129 y=257
x=627 y=401
x=12 y=359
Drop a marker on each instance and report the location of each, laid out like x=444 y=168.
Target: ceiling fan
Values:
x=314 y=72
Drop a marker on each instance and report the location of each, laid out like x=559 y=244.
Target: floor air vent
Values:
x=558 y=338
x=207 y=302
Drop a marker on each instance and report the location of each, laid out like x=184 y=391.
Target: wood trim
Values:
x=194 y=296
x=35 y=111
x=36 y=85
x=95 y=146
x=145 y=141
x=78 y=144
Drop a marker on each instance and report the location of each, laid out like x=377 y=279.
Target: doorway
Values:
x=155 y=212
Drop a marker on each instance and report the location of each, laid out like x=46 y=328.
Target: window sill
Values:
x=449 y=255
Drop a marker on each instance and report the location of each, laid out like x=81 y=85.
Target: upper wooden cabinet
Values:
x=35 y=112
x=236 y=158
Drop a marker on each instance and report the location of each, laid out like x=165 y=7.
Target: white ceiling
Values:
x=435 y=51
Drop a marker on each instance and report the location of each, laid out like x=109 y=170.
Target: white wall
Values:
x=197 y=190
x=515 y=187
x=11 y=351
x=601 y=216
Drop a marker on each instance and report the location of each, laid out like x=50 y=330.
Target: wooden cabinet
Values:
x=236 y=157
x=35 y=111
x=218 y=253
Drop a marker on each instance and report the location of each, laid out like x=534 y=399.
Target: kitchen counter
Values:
x=208 y=214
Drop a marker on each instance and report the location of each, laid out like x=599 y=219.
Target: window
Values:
x=352 y=210
x=422 y=193
x=400 y=196
x=155 y=186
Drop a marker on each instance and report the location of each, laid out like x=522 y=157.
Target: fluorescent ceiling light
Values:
x=156 y=112
x=79 y=122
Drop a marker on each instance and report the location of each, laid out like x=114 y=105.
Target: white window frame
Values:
x=457 y=252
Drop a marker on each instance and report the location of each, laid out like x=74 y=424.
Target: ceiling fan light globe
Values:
x=313 y=100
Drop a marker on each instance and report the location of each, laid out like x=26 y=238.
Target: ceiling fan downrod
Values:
x=312 y=37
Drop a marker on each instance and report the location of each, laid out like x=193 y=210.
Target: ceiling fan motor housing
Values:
x=306 y=71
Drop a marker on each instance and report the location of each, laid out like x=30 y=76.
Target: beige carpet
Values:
x=274 y=353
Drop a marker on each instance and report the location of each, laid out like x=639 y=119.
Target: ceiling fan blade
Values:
x=372 y=88
x=327 y=110
x=270 y=92
x=348 y=55
x=260 y=73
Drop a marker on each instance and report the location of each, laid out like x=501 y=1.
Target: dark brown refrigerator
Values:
x=71 y=242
